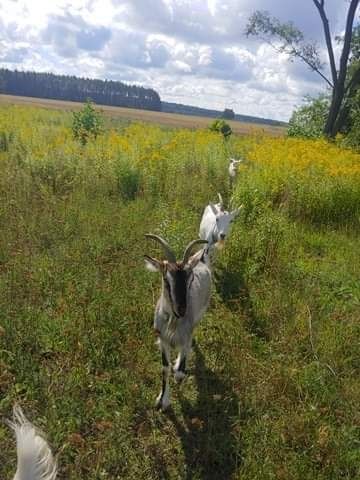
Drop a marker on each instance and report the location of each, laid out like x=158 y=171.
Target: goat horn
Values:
x=220 y=200
x=189 y=248
x=170 y=255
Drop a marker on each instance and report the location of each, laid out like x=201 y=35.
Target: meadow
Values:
x=134 y=114
x=274 y=379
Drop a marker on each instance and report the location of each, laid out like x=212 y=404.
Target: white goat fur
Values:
x=176 y=330
x=233 y=167
x=215 y=223
x=34 y=458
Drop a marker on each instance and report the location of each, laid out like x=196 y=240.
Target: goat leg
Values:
x=163 y=399
x=180 y=364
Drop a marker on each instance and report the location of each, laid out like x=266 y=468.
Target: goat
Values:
x=233 y=167
x=184 y=298
x=34 y=458
x=215 y=223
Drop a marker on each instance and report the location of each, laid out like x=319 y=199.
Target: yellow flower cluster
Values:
x=306 y=156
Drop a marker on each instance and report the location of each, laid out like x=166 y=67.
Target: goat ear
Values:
x=195 y=259
x=153 y=264
x=213 y=208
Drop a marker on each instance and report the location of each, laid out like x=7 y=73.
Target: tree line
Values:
x=64 y=87
x=170 y=107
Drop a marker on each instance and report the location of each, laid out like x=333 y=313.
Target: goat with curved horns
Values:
x=35 y=460
x=184 y=298
x=215 y=223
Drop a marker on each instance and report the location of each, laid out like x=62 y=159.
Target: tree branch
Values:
x=297 y=53
x=315 y=69
x=325 y=22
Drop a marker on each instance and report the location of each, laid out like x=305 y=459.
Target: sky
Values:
x=193 y=52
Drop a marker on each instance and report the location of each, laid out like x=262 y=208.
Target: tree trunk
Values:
x=342 y=121
x=343 y=116
x=339 y=87
x=336 y=102
x=320 y=6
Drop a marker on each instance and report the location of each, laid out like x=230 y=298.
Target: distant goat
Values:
x=215 y=223
x=234 y=170
x=184 y=298
x=233 y=167
x=34 y=458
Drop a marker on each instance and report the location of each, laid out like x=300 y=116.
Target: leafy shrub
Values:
x=308 y=120
x=128 y=180
x=87 y=123
x=220 y=126
x=58 y=173
x=353 y=137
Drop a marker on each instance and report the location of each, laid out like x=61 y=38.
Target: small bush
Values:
x=220 y=126
x=57 y=173
x=87 y=123
x=309 y=120
x=128 y=180
x=353 y=137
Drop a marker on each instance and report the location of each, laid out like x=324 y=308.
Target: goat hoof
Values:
x=179 y=376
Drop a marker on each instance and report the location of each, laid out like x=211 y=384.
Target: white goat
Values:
x=215 y=223
x=184 y=298
x=34 y=458
x=233 y=167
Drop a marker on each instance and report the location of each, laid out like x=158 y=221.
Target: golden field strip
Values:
x=170 y=119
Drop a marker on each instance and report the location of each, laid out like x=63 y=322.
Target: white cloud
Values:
x=190 y=51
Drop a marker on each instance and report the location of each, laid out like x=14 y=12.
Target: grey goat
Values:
x=184 y=298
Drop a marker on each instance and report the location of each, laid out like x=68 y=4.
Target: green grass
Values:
x=274 y=384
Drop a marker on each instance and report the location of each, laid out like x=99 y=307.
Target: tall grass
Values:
x=311 y=181
x=274 y=378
